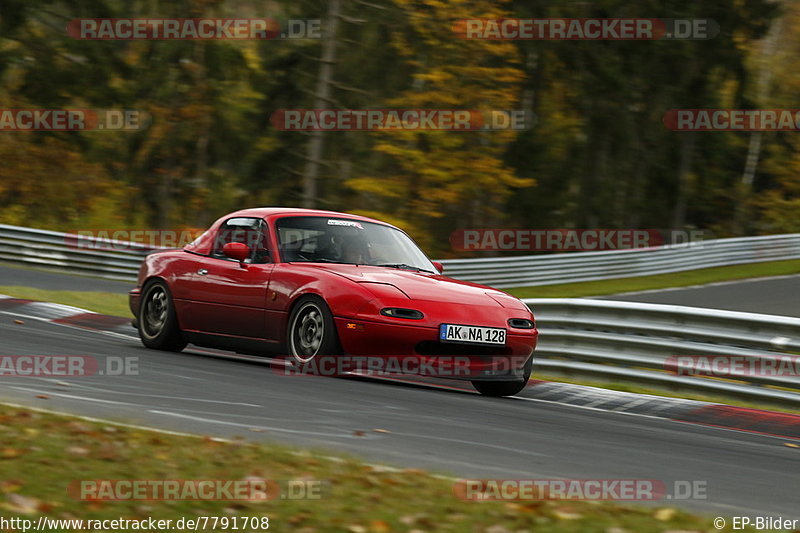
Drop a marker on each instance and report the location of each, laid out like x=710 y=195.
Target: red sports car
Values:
x=311 y=284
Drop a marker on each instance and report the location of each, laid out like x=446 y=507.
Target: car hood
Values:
x=425 y=286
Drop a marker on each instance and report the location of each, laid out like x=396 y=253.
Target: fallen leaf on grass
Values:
x=10 y=485
x=519 y=508
x=566 y=514
x=378 y=468
x=664 y=514
x=22 y=504
x=497 y=528
x=77 y=450
x=108 y=452
x=12 y=453
x=78 y=427
x=379 y=526
x=408 y=520
x=424 y=520
x=297 y=518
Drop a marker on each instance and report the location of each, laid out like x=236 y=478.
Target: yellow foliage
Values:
x=437 y=172
x=46 y=183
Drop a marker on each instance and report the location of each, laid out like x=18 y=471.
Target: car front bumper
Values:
x=417 y=349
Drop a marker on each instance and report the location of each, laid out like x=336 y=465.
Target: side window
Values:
x=261 y=251
x=250 y=231
x=299 y=244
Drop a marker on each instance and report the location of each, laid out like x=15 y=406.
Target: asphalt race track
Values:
x=449 y=431
x=772 y=296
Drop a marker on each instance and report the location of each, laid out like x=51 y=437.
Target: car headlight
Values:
x=399 y=312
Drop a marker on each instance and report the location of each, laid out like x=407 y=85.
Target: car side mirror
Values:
x=438 y=266
x=237 y=251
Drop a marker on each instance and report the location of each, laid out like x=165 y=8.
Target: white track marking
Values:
x=74 y=397
x=111 y=422
x=100 y=389
x=265 y=428
x=70 y=326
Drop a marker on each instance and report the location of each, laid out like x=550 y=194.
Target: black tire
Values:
x=311 y=331
x=505 y=388
x=158 y=324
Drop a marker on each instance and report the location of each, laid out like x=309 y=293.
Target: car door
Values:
x=229 y=298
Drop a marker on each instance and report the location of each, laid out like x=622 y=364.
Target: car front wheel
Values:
x=157 y=322
x=505 y=388
x=311 y=331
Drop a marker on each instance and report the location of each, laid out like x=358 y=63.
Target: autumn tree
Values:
x=435 y=181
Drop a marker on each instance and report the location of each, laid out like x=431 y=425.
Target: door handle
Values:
x=202 y=271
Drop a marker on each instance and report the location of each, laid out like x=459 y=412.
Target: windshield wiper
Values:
x=325 y=260
x=320 y=260
x=405 y=267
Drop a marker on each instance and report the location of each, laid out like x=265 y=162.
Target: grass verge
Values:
x=661 y=281
x=106 y=303
x=42 y=453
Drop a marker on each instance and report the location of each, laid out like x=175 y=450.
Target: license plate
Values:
x=471 y=334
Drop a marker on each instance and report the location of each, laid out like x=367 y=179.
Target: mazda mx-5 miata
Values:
x=308 y=284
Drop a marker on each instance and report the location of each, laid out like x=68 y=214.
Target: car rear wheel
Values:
x=311 y=331
x=158 y=324
x=505 y=388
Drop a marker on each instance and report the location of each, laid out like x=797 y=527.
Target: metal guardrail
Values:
x=639 y=343
x=617 y=341
x=120 y=260
x=593 y=266
x=105 y=258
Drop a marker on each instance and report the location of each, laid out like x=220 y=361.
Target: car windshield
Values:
x=342 y=240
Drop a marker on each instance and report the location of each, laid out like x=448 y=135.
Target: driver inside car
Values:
x=355 y=250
